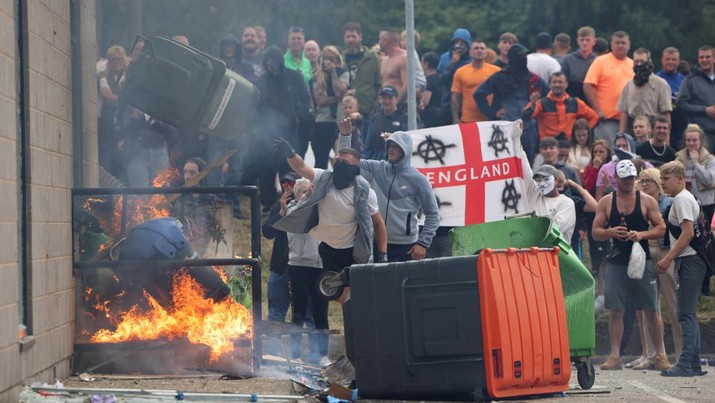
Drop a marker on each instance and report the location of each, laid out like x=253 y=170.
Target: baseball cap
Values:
x=290 y=177
x=388 y=90
x=547 y=170
x=626 y=169
x=516 y=51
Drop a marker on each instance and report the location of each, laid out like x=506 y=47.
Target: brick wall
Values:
x=49 y=123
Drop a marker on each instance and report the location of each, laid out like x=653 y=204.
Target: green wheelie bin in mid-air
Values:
x=578 y=283
x=189 y=89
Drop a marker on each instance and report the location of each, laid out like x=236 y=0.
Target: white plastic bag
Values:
x=636 y=263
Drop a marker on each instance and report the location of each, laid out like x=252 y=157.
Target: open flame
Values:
x=200 y=320
x=139 y=208
x=190 y=316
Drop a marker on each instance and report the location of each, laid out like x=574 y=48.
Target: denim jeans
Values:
x=690 y=272
x=278 y=296
x=305 y=295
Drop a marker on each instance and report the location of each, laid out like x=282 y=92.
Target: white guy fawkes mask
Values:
x=545 y=184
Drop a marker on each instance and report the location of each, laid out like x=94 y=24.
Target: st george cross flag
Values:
x=474 y=168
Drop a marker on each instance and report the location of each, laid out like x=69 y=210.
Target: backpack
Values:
x=702 y=242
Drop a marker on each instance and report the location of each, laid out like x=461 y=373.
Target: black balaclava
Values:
x=517 y=59
x=344 y=174
x=642 y=71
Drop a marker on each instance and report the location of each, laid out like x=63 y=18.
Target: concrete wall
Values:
x=51 y=159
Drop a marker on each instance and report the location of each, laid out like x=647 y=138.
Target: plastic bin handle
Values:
x=527 y=214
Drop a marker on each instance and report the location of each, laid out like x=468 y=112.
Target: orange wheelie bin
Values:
x=485 y=326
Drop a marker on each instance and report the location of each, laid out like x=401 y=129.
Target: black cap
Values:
x=543 y=40
x=516 y=51
x=388 y=90
x=290 y=177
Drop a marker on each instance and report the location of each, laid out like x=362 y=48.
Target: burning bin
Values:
x=447 y=328
x=189 y=89
x=578 y=283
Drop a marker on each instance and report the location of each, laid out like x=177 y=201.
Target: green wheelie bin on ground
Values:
x=189 y=89
x=578 y=283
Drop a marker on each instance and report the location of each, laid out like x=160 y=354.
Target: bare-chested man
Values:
x=393 y=70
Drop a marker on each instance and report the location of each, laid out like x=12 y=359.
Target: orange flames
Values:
x=144 y=208
x=200 y=320
x=191 y=316
x=139 y=208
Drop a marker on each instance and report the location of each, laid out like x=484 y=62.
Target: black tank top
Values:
x=620 y=251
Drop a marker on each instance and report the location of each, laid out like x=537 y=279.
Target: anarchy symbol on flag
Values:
x=474 y=169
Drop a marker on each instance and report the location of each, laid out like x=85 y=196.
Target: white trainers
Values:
x=638 y=361
x=324 y=361
x=599 y=304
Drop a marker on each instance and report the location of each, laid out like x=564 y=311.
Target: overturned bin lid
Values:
x=189 y=89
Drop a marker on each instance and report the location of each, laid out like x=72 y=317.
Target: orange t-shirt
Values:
x=466 y=80
x=609 y=75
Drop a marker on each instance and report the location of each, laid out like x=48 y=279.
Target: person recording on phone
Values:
x=328 y=86
x=449 y=62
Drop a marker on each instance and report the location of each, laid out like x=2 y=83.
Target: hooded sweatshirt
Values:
x=446 y=70
x=236 y=63
x=445 y=60
x=511 y=87
x=284 y=96
x=230 y=39
x=402 y=191
x=697 y=92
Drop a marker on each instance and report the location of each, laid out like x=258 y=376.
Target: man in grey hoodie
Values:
x=697 y=94
x=402 y=192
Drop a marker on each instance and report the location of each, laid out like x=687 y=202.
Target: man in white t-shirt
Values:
x=689 y=267
x=544 y=198
x=347 y=210
x=540 y=62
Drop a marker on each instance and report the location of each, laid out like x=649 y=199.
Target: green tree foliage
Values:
x=654 y=24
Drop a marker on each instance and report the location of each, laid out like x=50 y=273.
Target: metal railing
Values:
x=254 y=261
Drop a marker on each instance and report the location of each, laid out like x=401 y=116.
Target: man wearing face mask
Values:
x=544 y=198
x=402 y=192
x=341 y=213
x=622 y=218
x=512 y=88
x=647 y=94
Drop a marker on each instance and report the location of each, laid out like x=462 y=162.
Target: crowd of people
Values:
x=613 y=151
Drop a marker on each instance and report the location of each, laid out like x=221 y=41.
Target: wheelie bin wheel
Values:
x=585 y=373
x=330 y=285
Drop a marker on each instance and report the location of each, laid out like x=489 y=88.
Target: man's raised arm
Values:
x=296 y=163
